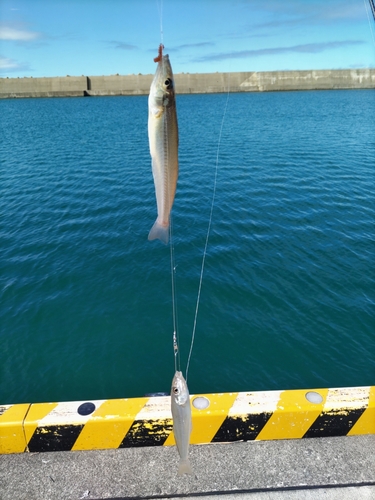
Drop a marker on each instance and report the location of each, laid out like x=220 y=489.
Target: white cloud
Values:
x=306 y=14
x=122 y=45
x=7 y=65
x=17 y=35
x=309 y=48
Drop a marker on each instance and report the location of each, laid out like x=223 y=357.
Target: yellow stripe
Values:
x=293 y=416
x=148 y=420
x=207 y=422
x=36 y=413
x=366 y=422
x=12 y=438
x=109 y=424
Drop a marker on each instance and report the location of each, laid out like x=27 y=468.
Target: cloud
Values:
x=319 y=9
x=310 y=48
x=17 y=35
x=193 y=45
x=358 y=66
x=122 y=45
x=177 y=48
x=6 y=63
x=9 y=65
x=296 y=14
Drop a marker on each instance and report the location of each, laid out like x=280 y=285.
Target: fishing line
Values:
x=160 y=11
x=368 y=17
x=174 y=300
x=208 y=230
x=175 y=338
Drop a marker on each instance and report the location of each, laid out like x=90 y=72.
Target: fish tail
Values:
x=184 y=467
x=159 y=232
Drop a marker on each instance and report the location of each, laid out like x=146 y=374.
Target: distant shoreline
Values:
x=188 y=83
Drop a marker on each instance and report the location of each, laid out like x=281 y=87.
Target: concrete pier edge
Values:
x=217 y=418
x=189 y=83
x=257 y=448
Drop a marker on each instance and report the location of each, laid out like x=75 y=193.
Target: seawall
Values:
x=189 y=83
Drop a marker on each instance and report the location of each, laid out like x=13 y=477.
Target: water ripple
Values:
x=288 y=291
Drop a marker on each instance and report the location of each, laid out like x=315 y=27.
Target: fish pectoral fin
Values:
x=156 y=111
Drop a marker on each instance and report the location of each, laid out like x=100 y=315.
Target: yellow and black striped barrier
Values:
x=217 y=418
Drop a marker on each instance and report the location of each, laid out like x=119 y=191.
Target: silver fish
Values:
x=181 y=413
x=163 y=140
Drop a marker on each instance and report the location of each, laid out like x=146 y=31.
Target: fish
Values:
x=181 y=413
x=163 y=142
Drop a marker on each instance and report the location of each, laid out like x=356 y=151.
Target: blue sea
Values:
x=288 y=290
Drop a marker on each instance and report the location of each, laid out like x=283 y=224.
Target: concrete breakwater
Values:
x=186 y=83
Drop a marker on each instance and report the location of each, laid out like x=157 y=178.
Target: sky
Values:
x=106 y=37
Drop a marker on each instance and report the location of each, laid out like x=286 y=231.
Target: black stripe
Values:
x=241 y=429
x=147 y=433
x=54 y=438
x=334 y=423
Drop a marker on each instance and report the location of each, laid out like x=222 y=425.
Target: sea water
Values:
x=288 y=289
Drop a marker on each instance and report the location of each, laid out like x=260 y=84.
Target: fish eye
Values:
x=175 y=390
x=168 y=83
